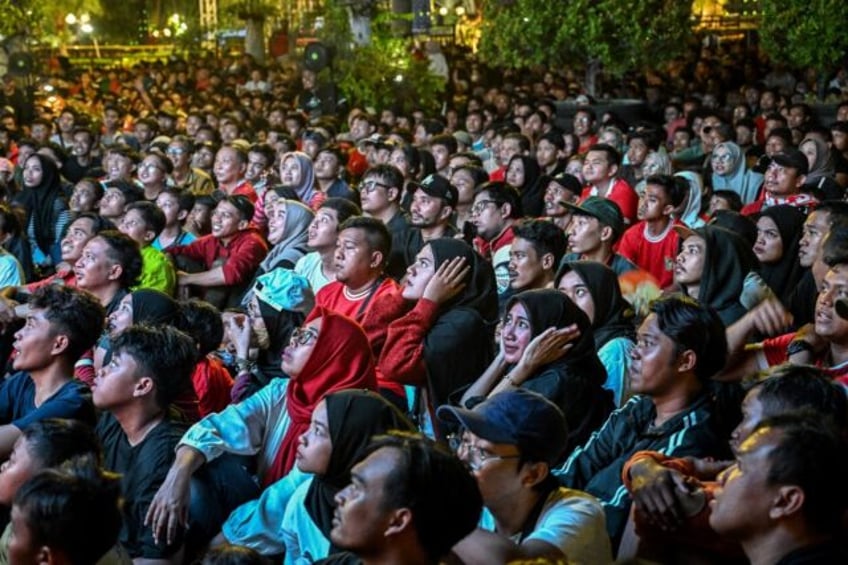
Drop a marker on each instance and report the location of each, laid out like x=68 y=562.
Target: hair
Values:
x=202 y=321
x=435 y=486
x=803 y=441
x=228 y=554
x=131 y=192
x=523 y=140
x=501 y=193
x=74 y=313
x=691 y=325
x=96 y=184
x=478 y=174
x=555 y=139
x=783 y=133
x=335 y=150
x=74 y=509
x=242 y=204
x=447 y=140
x=837 y=211
x=545 y=238
x=151 y=214
x=612 y=154
x=163 y=353
x=834 y=247
x=185 y=142
x=344 y=208
x=792 y=387
x=733 y=199
x=241 y=154
x=265 y=150
x=675 y=188
x=185 y=200
x=53 y=441
x=389 y=173
x=376 y=234
x=10 y=222
x=123 y=250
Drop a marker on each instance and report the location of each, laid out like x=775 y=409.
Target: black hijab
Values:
x=783 y=275
x=39 y=202
x=532 y=191
x=153 y=307
x=613 y=314
x=353 y=417
x=280 y=325
x=480 y=293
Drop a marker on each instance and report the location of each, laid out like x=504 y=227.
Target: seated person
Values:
x=11 y=271
x=535 y=254
x=319 y=265
x=143 y=221
x=176 y=206
x=595 y=228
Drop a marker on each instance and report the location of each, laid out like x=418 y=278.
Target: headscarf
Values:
x=39 y=202
x=613 y=314
x=663 y=168
x=532 y=191
x=353 y=418
x=293 y=245
x=280 y=326
x=746 y=183
x=340 y=360
x=480 y=293
x=823 y=166
x=691 y=215
x=306 y=189
x=783 y=275
x=153 y=307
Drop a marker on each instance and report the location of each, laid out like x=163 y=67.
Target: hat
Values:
x=438 y=187
x=606 y=211
x=568 y=182
x=793 y=159
x=318 y=135
x=282 y=289
x=374 y=139
x=463 y=137
x=517 y=417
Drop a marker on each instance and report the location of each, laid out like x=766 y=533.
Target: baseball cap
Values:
x=606 y=211
x=375 y=139
x=568 y=182
x=517 y=417
x=793 y=159
x=463 y=137
x=438 y=187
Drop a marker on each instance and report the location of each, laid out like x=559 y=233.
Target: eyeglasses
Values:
x=370 y=186
x=302 y=336
x=481 y=205
x=475 y=456
x=175 y=151
x=150 y=166
x=722 y=157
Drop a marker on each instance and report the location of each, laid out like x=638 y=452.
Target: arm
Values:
x=545 y=348
x=212 y=277
x=768 y=317
x=168 y=511
x=402 y=356
x=483 y=547
x=487 y=381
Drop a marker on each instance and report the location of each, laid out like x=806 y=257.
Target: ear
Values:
x=445 y=212
x=687 y=361
x=149 y=236
x=115 y=272
x=60 y=344
x=46 y=556
x=182 y=215
x=606 y=233
x=143 y=386
x=533 y=473
x=392 y=194
x=788 y=500
x=799 y=182
x=614 y=169
x=400 y=521
x=243 y=224
x=548 y=261
x=376 y=259
x=667 y=210
x=506 y=210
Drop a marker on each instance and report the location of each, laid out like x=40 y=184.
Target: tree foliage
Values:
x=804 y=33
x=21 y=16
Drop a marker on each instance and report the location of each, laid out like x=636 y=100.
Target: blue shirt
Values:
x=17 y=402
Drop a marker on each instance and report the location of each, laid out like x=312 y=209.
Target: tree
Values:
x=614 y=35
x=255 y=13
x=804 y=33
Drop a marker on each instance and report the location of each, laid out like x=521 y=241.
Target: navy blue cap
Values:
x=517 y=417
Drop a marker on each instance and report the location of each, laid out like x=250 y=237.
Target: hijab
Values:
x=353 y=418
x=532 y=191
x=783 y=275
x=480 y=293
x=280 y=326
x=153 y=307
x=739 y=179
x=39 y=202
x=663 y=167
x=823 y=165
x=306 y=189
x=691 y=215
x=613 y=314
x=341 y=359
x=293 y=245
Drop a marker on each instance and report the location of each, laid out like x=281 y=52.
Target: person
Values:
x=535 y=254
x=143 y=221
x=497 y=207
x=153 y=172
x=820 y=179
x=380 y=192
x=329 y=167
x=329 y=352
x=342 y=425
x=510 y=442
x=560 y=190
x=779 y=230
x=730 y=172
x=524 y=175
x=319 y=265
x=409 y=501
x=778 y=501
x=288 y=223
x=117 y=194
x=689 y=213
x=150 y=367
x=784 y=178
x=176 y=206
x=67 y=515
x=600 y=172
x=298 y=174
x=679 y=346
x=229 y=170
x=595 y=229
x=183 y=176
x=547 y=346
x=446 y=338
x=595 y=289
x=109 y=265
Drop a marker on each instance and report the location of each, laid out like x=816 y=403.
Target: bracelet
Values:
x=243 y=364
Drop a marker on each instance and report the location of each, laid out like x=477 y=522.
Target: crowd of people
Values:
x=243 y=329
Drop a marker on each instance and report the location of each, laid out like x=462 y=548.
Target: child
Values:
x=176 y=206
x=143 y=221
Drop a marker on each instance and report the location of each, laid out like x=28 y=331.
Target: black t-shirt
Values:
x=142 y=468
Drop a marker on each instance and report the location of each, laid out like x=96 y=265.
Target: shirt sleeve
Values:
x=244 y=259
x=402 y=357
x=774 y=349
x=575 y=525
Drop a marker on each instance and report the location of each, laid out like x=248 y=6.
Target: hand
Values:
x=238 y=328
x=169 y=509
x=549 y=346
x=707 y=469
x=770 y=317
x=7 y=310
x=448 y=281
x=653 y=490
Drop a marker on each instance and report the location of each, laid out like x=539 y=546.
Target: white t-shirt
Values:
x=309 y=266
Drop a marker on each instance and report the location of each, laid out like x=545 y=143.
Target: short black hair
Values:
x=613 y=155
x=202 y=321
x=228 y=554
x=501 y=193
x=152 y=216
x=242 y=204
x=266 y=151
x=344 y=208
x=554 y=138
x=123 y=250
x=676 y=188
x=731 y=197
x=445 y=139
x=523 y=140
x=544 y=236
x=834 y=246
x=376 y=233
x=792 y=387
x=72 y=312
x=390 y=174
x=163 y=353
x=185 y=200
x=165 y=163
x=53 y=441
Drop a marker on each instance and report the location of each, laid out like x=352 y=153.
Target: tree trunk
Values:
x=254 y=40
x=593 y=69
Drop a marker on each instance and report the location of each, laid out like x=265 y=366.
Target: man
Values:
x=227 y=258
x=512 y=144
x=442 y=146
x=784 y=178
x=510 y=442
x=600 y=170
x=64 y=138
x=61 y=324
x=117 y=195
x=260 y=168
x=584 y=128
x=184 y=176
x=679 y=346
x=593 y=232
x=229 y=169
x=120 y=163
x=82 y=163
x=319 y=265
x=535 y=255
x=111 y=124
x=379 y=193
x=149 y=368
x=778 y=501
x=652 y=244
x=497 y=207
x=361 y=126
x=109 y=265
x=329 y=165
x=145 y=130
x=409 y=501
x=562 y=189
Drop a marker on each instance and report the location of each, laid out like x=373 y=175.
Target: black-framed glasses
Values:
x=303 y=336
x=371 y=185
x=474 y=456
x=481 y=205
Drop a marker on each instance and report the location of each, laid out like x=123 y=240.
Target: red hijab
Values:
x=340 y=360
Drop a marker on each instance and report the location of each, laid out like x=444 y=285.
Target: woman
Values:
x=288 y=226
x=594 y=288
x=523 y=174
x=153 y=173
x=690 y=211
x=547 y=346
x=731 y=173
x=44 y=203
x=820 y=180
x=655 y=163
x=328 y=353
x=297 y=173
x=776 y=247
x=446 y=339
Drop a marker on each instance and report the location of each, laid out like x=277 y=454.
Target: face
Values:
x=419 y=274
x=122 y=317
x=774 y=145
x=228 y=167
x=256 y=165
x=82 y=144
x=291 y=173
x=94 y=269
x=35 y=342
x=33 y=172
x=554 y=195
x=721 y=160
x=277 y=222
x=546 y=153
x=828 y=323
x=495 y=466
x=584 y=234
x=582 y=124
x=487 y=216
x=355 y=261
x=170 y=205
x=808 y=148
x=134 y=226
x=516 y=333
x=117 y=382
x=653 y=366
x=653 y=204
x=112 y=204
x=23 y=547
x=315 y=446
x=427 y=211
x=120 y=167
x=578 y=291
x=840 y=140
x=508 y=149
x=360 y=129
x=526 y=269
x=143 y=132
x=474 y=123
x=323 y=230
x=79 y=233
x=596 y=167
x=680 y=140
x=326 y=166
x=374 y=194
x=689 y=266
x=464 y=183
x=752 y=415
x=227 y=221
x=637 y=151
x=203 y=158
x=782 y=181
x=17 y=470
x=515 y=174
x=200 y=219
x=815 y=227
x=441 y=155
x=300 y=347
x=83 y=198
x=769 y=246
x=178 y=155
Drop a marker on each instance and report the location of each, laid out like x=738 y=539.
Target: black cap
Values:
x=793 y=159
x=517 y=417
x=568 y=182
x=438 y=186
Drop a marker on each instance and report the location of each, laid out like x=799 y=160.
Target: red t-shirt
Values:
x=774 y=351
x=654 y=255
x=212 y=383
x=622 y=194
